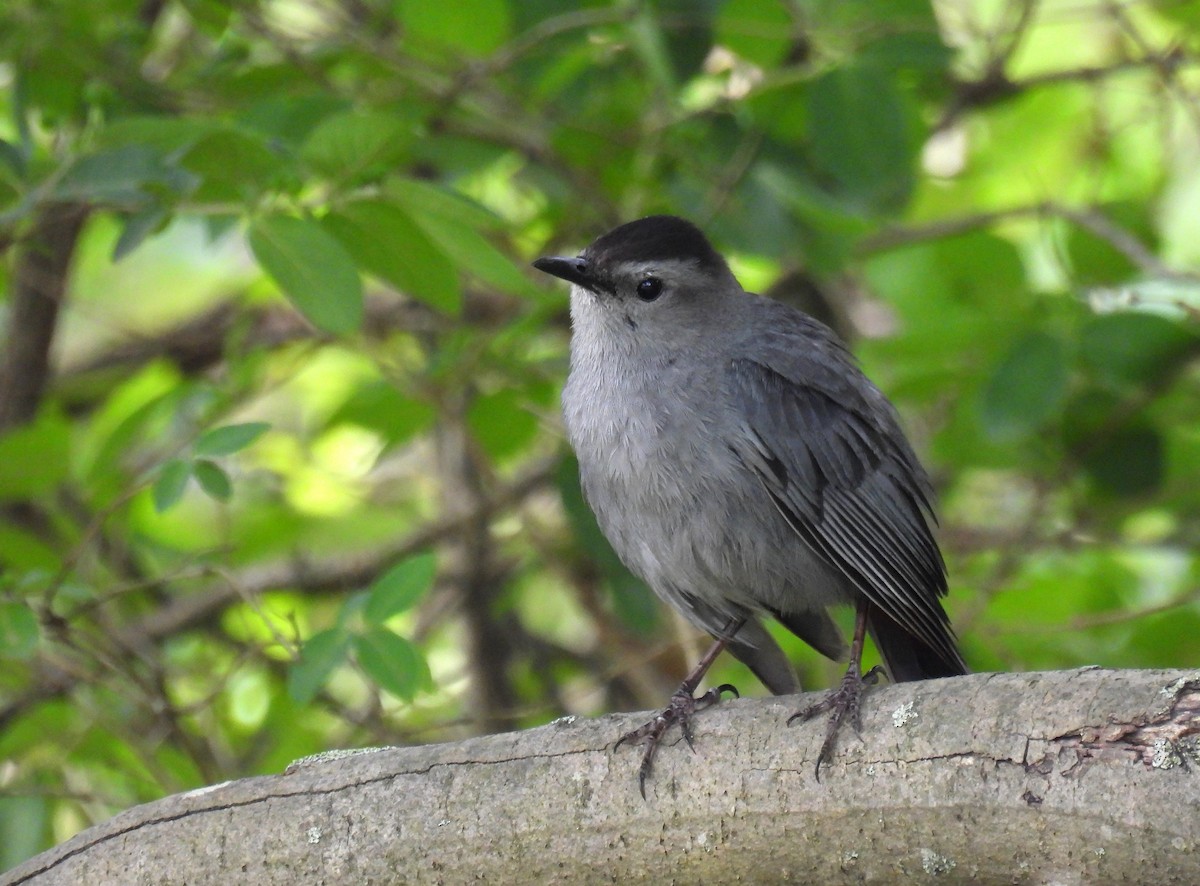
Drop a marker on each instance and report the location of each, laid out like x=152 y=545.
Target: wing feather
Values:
x=828 y=449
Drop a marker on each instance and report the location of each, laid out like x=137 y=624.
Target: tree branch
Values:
x=469 y=558
x=39 y=286
x=1080 y=776
x=995 y=86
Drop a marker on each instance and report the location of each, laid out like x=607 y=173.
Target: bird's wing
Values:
x=828 y=449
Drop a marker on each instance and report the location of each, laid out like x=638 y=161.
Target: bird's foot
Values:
x=842 y=703
x=682 y=707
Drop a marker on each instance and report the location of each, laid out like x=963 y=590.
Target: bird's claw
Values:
x=842 y=703
x=680 y=709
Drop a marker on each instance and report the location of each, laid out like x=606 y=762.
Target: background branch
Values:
x=39 y=287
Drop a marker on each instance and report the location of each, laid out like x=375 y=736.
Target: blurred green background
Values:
x=294 y=476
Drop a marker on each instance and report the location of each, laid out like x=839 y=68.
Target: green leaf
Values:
x=400 y=588
x=122 y=176
x=162 y=134
x=286 y=118
x=420 y=198
x=135 y=409
x=502 y=422
x=10 y=156
x=24 y=827
x=453 y=225
x=24 y=550
x=322 y=652
x=781 y=109
x=19 y=631
x=684 y=33
x=313 y=270
x=922 y=50
x=171 y=483
x=351 y=610
x=138 y=226
x=379 y=406
x=1129 y=462
x=352 y=145
x=34 y=458
x=1089 y=412
x=1027 y=388
x=760 y=31
x=212 y=479
x=1135 y=348
x=865 y=136
x=1164 y=639
x=388 y=243
x=392 y=662
x=234 y=165
x=473 y=27
x=229 y=439
x=1094 y=260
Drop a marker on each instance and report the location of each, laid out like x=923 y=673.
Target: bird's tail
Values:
x=909 y=658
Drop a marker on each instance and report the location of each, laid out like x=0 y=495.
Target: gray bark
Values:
x=1082 y=776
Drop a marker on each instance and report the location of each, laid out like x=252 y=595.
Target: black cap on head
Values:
x=655 y=238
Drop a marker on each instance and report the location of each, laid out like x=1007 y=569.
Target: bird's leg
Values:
x=843 y=702
x=682 y=706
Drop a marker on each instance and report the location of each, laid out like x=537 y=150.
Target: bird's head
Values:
x=659 y=270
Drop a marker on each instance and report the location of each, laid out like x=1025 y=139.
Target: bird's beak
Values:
x=573 y=270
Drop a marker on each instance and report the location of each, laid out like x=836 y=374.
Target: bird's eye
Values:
x=649 y=289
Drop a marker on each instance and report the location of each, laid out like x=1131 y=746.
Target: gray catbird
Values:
x=742 y=465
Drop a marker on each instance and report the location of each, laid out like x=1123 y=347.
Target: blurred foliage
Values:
x=295 y=478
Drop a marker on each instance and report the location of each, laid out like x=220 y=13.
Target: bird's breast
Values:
x=658 y=473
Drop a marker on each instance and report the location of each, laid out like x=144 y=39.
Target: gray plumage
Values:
x=739 y=461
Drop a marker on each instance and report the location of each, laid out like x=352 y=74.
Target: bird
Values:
x=744 y=467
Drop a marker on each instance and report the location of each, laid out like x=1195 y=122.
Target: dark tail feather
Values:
x=817 y=629
x=906 y=657
x=757 y=649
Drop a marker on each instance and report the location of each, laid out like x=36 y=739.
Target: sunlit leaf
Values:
x=34 y=458
x=474 y=27
x=25 y=550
